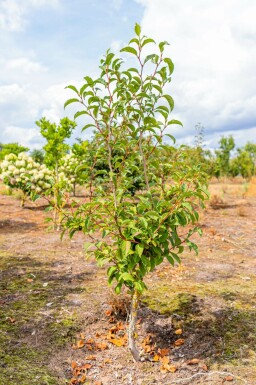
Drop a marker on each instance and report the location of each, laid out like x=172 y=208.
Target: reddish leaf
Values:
x=229 y=378
x=163 y=352
x=179 y=342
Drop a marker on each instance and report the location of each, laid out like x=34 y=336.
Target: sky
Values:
x=46 y=45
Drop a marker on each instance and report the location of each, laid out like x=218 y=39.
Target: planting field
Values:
x=197 y=322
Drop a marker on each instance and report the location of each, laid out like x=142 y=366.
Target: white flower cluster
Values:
x=23 y=173
x=69 y=166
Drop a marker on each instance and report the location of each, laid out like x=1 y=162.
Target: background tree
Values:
x=55 y=149
x=37 y=155
x=223 y=154
x=130 y=113
x=11 y=148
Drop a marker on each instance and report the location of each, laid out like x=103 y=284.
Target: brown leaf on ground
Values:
x=179 y=342
x=73 y=364
x=156 y=358
x=92 y=358
x=194 y=361
x=101 y=346
x=108 y=313
x=229 y=378
x=117 y=341
x=163 y=352
x=178 y=332
x=80 y=344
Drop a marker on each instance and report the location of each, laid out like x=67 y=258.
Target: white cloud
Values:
x=13 y=13
x=28 y=137
x=212 y=48
x=25 y=65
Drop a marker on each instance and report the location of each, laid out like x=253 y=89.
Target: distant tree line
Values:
x=227 y=160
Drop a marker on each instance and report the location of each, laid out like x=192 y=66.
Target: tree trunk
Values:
x=132 y=325
x=23 y=199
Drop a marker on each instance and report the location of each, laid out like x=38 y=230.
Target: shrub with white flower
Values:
x=23 y=173
x=69 y=165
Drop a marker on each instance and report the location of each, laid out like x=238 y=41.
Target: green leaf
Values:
x=147 y=41
x=162 y=44
x=109 y=58
x=137 y=29
x=134 y=40
x=170 y=101
x=130 y=50
x=139 y=249
x=89 y=80
x=174 y=121
x=170 y=64
x=69 y=101
x=73 y=88
x=176 y=257
x=172 y=137
x=170 y=259
x=87 y=126
x=79 y=113
x=125 y=247
x=127 y=277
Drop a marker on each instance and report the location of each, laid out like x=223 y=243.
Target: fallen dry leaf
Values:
x=179 y=342
x=101 y=346
x=163 y=352
x=92 y=358
x=86 y=366
x=156 y=358
x=165 y=360
x=194 y=361
x=80 y=344
x=118 y=341
x=108 y=313
x=82 y=336
x=229 y=378
x=73 y=364
x=178 y=332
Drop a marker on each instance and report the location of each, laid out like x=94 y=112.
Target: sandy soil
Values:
x=62 y=324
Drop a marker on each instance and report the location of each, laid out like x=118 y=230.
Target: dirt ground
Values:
x=61 y=324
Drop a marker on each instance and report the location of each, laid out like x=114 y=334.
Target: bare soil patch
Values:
x=61 y=324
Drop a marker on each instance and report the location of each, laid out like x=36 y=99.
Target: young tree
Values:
x=55 y=149
x=130 y=113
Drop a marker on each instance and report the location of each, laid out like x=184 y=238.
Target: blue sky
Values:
x=48 y=44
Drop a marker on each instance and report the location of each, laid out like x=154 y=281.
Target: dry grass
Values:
x=251 y=188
